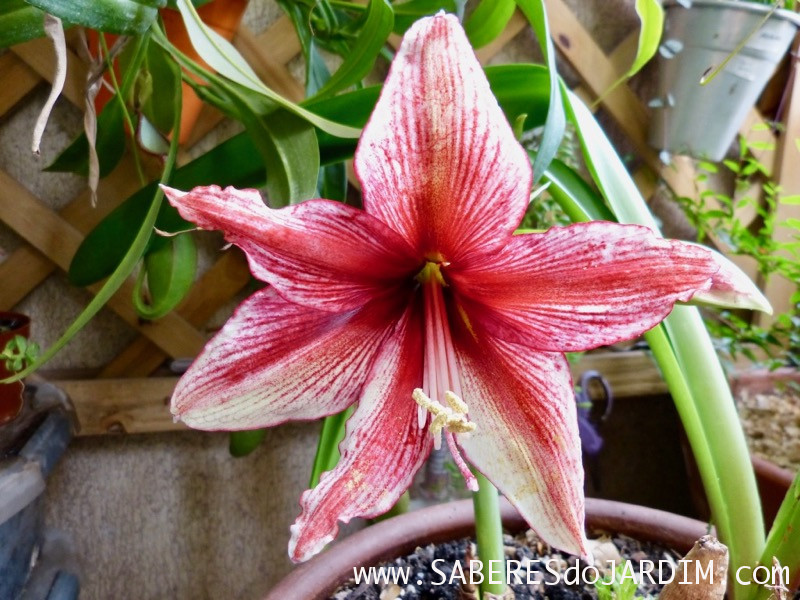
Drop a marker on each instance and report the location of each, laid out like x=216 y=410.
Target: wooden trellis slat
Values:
x=30 y=267
x=778 y=289
x=137 y=402
x=225 y=279
x=140 y=405
x=24 y=79
x=39 y=55
x=59 y=240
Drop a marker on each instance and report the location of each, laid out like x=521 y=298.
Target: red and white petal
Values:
x=526 y=441
x=438 y=161
x=320 y=253
x=383 y=448
x=275 y=361
x=732 y=287
x=588 y=285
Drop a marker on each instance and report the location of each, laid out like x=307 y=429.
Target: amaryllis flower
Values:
x=426 y=311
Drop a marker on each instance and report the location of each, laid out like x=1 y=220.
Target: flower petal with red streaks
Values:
x=319 y=253
x=383 y=448
x=590 y=284
x=438 y=161
x=526 y=441
x=275 y=361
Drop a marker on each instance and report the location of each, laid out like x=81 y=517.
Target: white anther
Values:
x=452 y=418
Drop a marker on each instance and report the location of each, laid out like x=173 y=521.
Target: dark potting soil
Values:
x=439 y=572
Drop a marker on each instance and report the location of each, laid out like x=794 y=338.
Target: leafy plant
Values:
x=619 y=585
x=19 y=353
x=716 y=213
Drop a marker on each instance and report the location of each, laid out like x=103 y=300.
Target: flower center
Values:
x=441 y=384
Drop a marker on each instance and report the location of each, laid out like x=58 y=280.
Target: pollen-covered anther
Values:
x=452 y=418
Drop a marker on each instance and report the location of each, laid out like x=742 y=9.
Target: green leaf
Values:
x=405 y=13
x=163 y=71
x=226 y=60
x=555 y=124
x=332 y=182
x=783 y=542
x=793 y=199
x=287 y=142
x=378 y=23
x=234 y=162
x=127 y=17
x=19 y=22
x=488 y=20
x=169 y=271
x=574 y=195
x=110 y=145
x=651 y=16
x=242 y=443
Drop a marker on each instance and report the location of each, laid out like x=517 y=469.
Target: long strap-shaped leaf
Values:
x=220 y=54
x=131 y=17
x=651 y=19
x=378 y=24
x=556 y=122
x=19 y=22
x=488 y=20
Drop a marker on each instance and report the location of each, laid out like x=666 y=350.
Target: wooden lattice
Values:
x=125 y=396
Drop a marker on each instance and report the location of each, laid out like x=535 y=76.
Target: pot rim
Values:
x=745 y=5
x=319 y=577
x=20 y=320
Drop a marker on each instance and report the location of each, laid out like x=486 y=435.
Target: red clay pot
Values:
x=318 y=578
x=11 y=393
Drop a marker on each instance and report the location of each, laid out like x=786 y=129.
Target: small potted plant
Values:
x=716 y=57
x=15 y=354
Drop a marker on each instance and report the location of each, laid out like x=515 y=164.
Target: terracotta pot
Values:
x=11 y=325
x=318 y=578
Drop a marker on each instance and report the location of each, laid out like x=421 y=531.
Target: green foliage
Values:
x=617 y=586
x=716 y=215
x=113 y=16
x=19 y=353
x=19 y=22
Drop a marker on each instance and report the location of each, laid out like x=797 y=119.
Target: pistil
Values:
x=441 y=391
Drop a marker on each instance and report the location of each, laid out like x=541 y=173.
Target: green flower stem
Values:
x=332 y=434
x=489 y=536
x=729 y=479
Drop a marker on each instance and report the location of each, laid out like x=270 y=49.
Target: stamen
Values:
x=441 y=392
x=452 y=419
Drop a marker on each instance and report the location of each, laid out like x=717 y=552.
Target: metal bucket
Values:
x=702 y=120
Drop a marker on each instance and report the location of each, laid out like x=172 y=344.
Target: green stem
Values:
x=333 y=430
x=128 y=263
x=121 y=92
x=729 y=479
x=489 y=537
